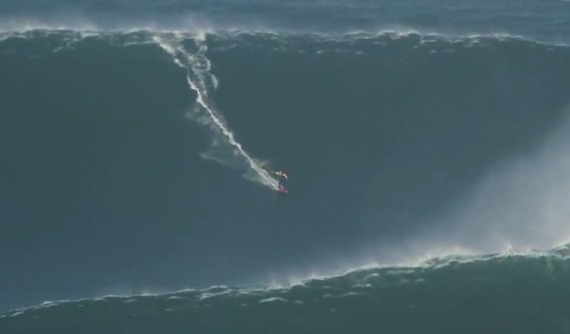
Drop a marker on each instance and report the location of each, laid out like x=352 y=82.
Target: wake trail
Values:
x=202 y=81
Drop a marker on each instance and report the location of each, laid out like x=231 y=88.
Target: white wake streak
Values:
x=199 y=78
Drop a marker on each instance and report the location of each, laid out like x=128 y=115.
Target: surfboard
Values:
x=282 y=190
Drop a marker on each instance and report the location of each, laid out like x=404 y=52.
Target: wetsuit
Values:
x=282 y=176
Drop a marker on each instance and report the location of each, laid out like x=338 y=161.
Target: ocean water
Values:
x=425 y=143
x=495 y=294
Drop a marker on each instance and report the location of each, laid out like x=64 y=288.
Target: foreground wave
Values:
x=525 y=293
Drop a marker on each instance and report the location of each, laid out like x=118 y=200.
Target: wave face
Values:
x=127 y=161
x=512 y=294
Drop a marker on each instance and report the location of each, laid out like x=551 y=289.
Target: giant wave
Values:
x=447 y=144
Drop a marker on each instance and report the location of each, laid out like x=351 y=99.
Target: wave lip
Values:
x=146 y=35
x=544 y=21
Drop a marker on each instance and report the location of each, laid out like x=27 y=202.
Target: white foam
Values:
x=272 y=300
x=200 y=27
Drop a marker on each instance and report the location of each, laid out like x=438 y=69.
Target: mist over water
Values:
x=518 y=205
x=521 y=203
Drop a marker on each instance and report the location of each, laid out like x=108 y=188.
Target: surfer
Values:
x=282 y=177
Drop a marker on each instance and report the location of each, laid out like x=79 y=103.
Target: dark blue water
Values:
x=133 y=160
